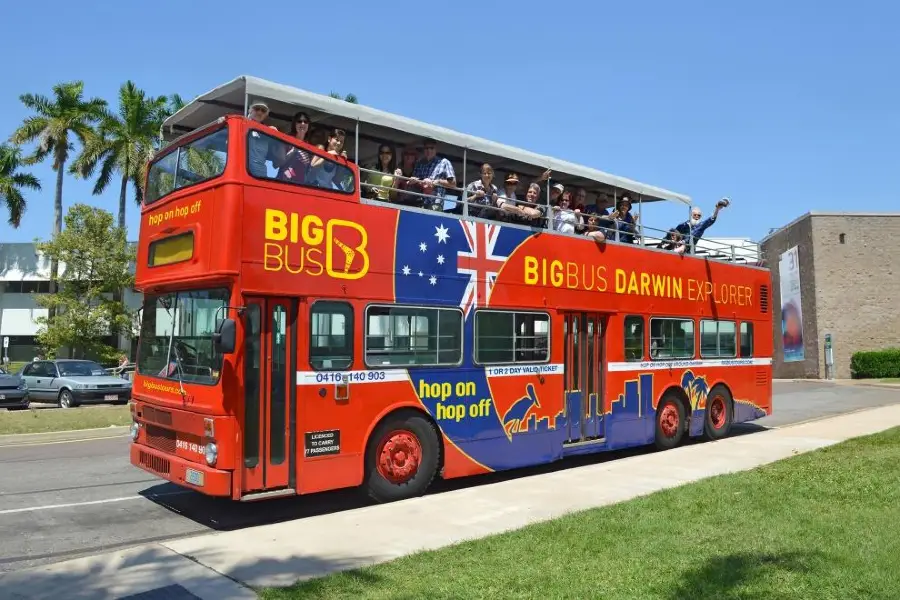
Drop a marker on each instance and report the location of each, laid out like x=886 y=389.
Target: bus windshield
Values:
x=176 y=335
x=198 y=160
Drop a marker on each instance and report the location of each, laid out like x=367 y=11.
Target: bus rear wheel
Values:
x=719 y=413
x=669 y=422
x=402 y=458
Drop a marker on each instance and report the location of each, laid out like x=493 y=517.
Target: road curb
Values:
x=73 y=435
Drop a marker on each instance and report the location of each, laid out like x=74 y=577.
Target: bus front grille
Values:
x=155 y=463
x=161 y=439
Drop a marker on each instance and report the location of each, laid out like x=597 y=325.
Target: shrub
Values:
x=877 y=364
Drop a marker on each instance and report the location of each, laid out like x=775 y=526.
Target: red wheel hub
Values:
x=668 y=420
x=399 y=455
x=717 y=412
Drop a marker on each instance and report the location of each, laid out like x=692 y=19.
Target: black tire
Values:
x=669 y=436
x=67 y=400
x=717 y=420
x=411 y=426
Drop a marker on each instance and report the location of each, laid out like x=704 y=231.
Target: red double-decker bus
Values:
x=311 y=325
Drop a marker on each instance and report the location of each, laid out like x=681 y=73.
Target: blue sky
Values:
x=785 y=107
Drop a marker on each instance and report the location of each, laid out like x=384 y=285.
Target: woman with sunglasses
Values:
x=296 y=161
x=384 y=176
x=322 y=172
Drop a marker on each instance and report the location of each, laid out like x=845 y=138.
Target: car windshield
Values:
x=198 y=160
x=176 y=335
x=79 y=368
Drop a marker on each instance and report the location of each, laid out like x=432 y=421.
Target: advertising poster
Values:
x=791 y=314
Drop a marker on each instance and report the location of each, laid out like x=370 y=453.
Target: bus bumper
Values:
x=191 y=475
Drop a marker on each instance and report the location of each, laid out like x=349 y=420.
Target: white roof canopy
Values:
x=378 y=125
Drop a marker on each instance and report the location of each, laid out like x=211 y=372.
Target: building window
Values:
x=717 y=339
x=634 y=339
x=410 y=335
x=671 y=338
x=503 y=337
x=330 y=335
x=746 y=340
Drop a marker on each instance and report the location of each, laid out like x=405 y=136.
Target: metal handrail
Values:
x=703 y=246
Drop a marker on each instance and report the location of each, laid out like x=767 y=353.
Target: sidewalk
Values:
x=845 y=382
x=274 y=555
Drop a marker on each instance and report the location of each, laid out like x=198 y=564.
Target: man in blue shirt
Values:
x=693 y=229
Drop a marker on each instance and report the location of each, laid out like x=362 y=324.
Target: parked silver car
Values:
x=69 y=382
x=13 y=394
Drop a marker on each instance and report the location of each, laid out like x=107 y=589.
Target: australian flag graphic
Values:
x=449 y=262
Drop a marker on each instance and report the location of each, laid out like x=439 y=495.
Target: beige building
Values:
x=837 y=274
x=24 y=274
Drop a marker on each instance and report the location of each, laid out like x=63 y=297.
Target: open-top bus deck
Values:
x=300 y=337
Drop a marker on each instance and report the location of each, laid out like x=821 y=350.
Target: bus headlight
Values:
x=212 y=453
x=135 y=430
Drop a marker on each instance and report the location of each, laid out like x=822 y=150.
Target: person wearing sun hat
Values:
x=260 y=145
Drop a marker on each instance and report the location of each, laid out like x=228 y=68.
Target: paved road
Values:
x=63 y=500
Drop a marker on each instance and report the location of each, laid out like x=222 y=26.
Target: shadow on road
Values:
x=222 y=514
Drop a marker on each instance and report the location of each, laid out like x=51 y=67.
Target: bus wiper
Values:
x=174 y=348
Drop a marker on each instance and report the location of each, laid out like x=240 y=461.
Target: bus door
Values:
x=584 y=366
x=269 y=344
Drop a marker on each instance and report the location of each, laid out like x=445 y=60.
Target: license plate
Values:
x=111 y=397
x=194 y=477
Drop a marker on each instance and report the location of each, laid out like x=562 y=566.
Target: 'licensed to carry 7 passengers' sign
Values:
x=321 y=443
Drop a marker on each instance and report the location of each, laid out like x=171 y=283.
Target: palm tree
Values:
x=12 y=182
x=52 y=126
x=123 y=143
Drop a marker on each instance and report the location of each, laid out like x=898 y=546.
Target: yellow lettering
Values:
x=348 y=252
x=311 y=230
x=272 y=257
x=571 y=275
x=276 y=225
x=531 y=276
x=556 y=276
x=621 y=279
x=601 y=277
x=632 y=284
x=676 y=288
x=645 y=284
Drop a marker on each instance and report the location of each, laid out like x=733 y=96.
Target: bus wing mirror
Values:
x=225 y=338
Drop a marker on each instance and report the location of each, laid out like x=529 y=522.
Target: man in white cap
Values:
x=259 y=144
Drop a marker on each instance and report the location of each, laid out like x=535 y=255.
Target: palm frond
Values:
x=106 y=173
x=15 y=204
x=27 y=180
x=29 y=130
x=38 y=103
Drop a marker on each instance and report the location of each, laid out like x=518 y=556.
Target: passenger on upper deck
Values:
x=322 y=172
x=482 y=195
x=673 y=241
x=564 y=219
x=259 y=148
x=384 y=177
x=295 y=162
x=593 y=230
x=435 y=174
x=407 y=169
x=625 y=221
x=693 y=229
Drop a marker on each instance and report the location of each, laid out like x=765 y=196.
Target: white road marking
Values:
x=105 y=437
x=11 y=511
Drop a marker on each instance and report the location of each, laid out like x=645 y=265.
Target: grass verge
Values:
x=41 y=420
x=821 y=525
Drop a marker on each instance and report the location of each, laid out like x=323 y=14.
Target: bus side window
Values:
x=330 y=335
x=634 y=339
x=746 y=340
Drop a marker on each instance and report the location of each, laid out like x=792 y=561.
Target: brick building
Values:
x=849 y=286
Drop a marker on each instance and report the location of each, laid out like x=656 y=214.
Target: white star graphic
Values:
x=442 y=234
x=423 y=246
x=406 y=270
x=420 y=273
x=432 y=280
x=440 y=259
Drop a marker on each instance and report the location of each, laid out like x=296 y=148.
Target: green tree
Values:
x=52 y=126
x=84 y=310
x=13 y=182
x=351 y=98
x=122 y=144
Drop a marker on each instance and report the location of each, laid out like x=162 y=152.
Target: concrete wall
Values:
x=849 y=285
x=858 y=295
x=800 y=234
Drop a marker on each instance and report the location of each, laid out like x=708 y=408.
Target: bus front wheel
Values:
x=402 y=458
